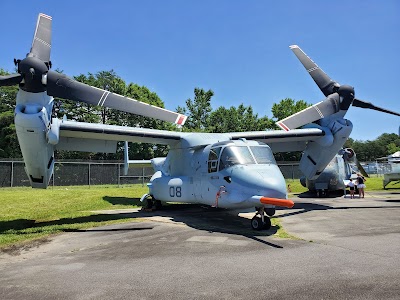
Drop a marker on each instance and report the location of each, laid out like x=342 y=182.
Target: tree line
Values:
x=202 y=118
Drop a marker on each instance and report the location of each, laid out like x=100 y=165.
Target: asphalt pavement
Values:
x=345 y=249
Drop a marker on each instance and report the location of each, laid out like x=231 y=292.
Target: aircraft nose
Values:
x=266 y=181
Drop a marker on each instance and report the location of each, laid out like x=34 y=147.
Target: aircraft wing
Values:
x=283 y=141
x=90 y=137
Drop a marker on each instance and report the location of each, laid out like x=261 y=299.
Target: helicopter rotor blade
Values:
x=329 y=88
x=11 y=79
x=59 y=85
x=361 y=169
x=313 y=113
x=324 y=82
x=364 y=104
x=41 y=43
x=350 y=156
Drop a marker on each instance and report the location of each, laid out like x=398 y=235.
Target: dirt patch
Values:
x=17 y=249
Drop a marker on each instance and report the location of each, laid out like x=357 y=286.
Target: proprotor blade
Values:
x=364 y=104
x=59 y=85
x=41 y=43
x=11 y=79
x=324 y=82
x=310 y=114
x=361 y=169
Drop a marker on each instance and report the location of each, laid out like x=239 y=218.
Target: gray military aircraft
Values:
x=228 y=170
x=336 y=175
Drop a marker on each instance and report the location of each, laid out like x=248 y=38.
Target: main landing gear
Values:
x=261 y=220
x=151 y=203
x=322 y=193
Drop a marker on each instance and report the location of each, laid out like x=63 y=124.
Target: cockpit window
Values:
x=263 y=154
x=213 y=159
x=234 y=155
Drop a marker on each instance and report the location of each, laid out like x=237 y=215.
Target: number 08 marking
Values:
x=175 y=191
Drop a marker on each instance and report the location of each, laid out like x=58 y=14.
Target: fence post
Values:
x=292 y=172
x=12 y=173
x=119 y=174
x=89 y=175
x=142 y=176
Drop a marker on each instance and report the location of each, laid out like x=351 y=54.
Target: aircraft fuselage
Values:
x=228 y=174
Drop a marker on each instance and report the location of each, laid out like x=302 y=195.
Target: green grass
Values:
x=281 y=233
x=27 y=214
x=294 y=186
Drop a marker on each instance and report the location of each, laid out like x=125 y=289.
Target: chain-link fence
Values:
x=69 y=173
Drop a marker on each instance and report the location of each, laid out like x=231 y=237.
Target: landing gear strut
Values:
x=260 y=220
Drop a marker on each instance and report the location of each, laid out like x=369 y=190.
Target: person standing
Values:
x=352 y=187
x=361 y=185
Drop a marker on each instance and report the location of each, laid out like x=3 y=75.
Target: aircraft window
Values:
x=235 y=155
x=263 y=155
x=213 y=159
x=214 y=153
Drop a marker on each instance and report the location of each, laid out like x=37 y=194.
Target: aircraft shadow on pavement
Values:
x=206 y=218
x=309 y=194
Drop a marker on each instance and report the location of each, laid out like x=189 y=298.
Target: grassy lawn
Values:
x=28 y=214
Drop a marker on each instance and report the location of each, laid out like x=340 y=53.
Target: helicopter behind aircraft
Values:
x=227 y=170
x=336 y=175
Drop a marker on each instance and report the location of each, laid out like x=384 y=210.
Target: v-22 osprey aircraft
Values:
x=228 y=170
x=336 y=175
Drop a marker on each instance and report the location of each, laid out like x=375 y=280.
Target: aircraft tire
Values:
x=149 y=203
x=157 y=204
x=256 y=223
x=270 y=211
x=267 y=223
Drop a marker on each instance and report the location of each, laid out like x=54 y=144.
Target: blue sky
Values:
x=239 y=49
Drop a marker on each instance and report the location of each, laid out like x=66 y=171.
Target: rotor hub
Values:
x=32 y=70
x=346 y=93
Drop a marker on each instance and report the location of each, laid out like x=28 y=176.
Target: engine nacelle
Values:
x=316 y=157
x=32 y=125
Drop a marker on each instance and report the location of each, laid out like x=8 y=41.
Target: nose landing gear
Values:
x=260 y=220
